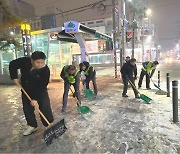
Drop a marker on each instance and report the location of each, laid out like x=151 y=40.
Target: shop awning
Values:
x=88 y=34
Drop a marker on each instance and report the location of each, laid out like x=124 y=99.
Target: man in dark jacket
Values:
x=127 y=72
x=71 y=76
x=127 y=59
x=34 y=79
x=135 y=67
x=90 y=74
x=148 y=69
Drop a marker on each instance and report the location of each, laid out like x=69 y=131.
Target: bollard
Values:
x=175 y=100
x=158 y=78
x=168 y=84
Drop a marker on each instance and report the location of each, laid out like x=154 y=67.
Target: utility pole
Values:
x=114 y=36
x=123 y=14
x=134 y=25
x=143 y=36
x=143 y=41
x=133 y=42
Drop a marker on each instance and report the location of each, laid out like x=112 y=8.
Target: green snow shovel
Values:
x=81 y=109
x=88 y=93
x=142 y=96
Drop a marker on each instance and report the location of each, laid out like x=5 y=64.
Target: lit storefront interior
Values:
x=60 y=51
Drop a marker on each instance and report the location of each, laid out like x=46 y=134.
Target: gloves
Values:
x=74 y=94
x=66 y=80
x=144 y=72
x=127 y=77
x=150 y=76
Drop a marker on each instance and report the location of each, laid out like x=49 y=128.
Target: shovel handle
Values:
x=132 y=85
x=35 y=106
x=152 y=81
x=150 y=78
x=75 y=97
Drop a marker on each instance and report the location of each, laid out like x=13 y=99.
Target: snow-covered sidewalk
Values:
x=121 y=125
x=117 y=125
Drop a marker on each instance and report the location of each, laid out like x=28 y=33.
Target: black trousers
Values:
x=66 y=91
x=93 y=79
x=143 y=73
x=44 y=106
x=125 y=82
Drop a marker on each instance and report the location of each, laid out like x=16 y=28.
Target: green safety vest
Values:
x=149 y=67
x=86 y=72
x=71 y=78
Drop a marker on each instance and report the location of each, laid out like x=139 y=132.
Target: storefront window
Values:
x=40 y=42
x=66 y=55
x=10 y=53
x=101 y=59
x=54 y=59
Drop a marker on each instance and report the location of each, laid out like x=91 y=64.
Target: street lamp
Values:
x=11 y=33
x=123 y=15
x=148 y=12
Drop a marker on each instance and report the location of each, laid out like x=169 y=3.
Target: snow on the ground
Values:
x=117 y=125
x=120 y=125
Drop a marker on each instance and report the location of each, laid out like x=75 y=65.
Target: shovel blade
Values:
x=83 y=109
x=54 y=132
x=145 y=98
x=59 y=128
x=88 y=93
x=49 y=135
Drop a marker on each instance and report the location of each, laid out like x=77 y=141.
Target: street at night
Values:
x=116 y=125
x=97 y=76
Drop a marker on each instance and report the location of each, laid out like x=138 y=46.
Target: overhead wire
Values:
x=86 y=6
x=46 y=4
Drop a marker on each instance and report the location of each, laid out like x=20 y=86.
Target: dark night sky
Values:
x=166 y=15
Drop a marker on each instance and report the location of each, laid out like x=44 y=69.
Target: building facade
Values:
x=57 y=13
x=22 y=8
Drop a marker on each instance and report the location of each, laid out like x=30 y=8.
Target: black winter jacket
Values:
x=34 y=81
x=129 y=70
